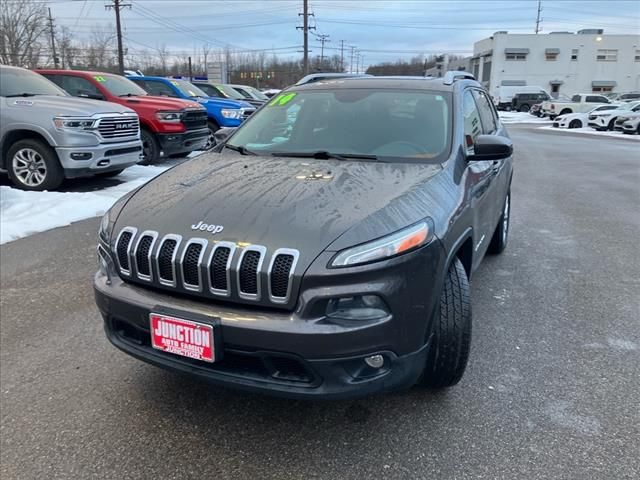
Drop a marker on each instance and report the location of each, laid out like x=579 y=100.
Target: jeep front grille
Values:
x=113 y=128
x=212 y=269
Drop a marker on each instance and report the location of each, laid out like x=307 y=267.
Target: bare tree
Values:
x=22 y=27
x=163 y=55
x=66 y=47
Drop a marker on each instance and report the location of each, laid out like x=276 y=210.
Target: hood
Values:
x=71 y=106
x=281 y=202
x=224 y=102
x=161 y=103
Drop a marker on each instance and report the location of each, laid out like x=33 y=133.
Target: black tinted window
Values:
x=486 y=112
x=157 y=88
x=208 y=89
x=472 y=124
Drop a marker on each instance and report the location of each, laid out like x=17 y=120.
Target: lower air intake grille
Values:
x=249 y=272
x=280 y=275
x=190 y=264
x=123 y=249
x=218 y=268
x=165 y=259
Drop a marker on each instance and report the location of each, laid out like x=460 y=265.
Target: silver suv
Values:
x=47 y=135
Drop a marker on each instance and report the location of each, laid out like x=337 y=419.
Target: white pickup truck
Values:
x=580 y=103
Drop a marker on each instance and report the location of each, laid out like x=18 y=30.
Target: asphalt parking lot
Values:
x=551 y=390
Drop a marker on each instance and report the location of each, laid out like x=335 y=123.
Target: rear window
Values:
x=402 y=125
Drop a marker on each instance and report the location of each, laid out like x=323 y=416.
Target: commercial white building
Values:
x=559 y=62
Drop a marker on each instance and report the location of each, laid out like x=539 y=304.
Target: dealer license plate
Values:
x=182 y=337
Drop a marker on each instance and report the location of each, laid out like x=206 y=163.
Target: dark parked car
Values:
x=225 y=91
x=522 y=102
x=325 y=251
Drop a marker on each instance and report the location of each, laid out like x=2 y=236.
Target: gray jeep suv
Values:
x=325 y=251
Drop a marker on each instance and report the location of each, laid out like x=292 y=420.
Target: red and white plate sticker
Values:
x=182 y=337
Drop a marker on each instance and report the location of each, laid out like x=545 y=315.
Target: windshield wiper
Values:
x=240 y=149
x=23 y=95
x=132 y=95
x=326 y=155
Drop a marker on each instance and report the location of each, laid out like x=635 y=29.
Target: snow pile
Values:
x=521 y=117
x=24 y=213
x=591 y=131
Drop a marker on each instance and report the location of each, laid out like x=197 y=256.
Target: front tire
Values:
x=501 y=233
x=34 y=165
x=575 y=124
x=150 y=148
x=451 y=335
x=524 y=108
x=211 y=139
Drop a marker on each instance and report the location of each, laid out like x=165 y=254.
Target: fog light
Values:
x=358 y=307
x=81 y=155
x=374 y=361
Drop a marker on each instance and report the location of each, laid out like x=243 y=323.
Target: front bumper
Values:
x=175 y=143
x=599 y=123
x=279 y=352
x=104 y=157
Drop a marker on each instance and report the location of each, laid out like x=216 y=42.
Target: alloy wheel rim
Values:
x=29 y=167
x=211 y=141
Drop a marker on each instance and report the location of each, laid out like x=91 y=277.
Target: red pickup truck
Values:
x=169 y=127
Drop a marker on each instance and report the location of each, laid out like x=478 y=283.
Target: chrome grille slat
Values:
x=142 y=254
x=254 y=255
x=169 y=246
x=123 y=249
x=216 y=285
x=195 y=247
x=281 y=275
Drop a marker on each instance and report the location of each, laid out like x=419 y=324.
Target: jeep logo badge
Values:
x=205 y=227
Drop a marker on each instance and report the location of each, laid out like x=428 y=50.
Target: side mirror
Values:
x=224 y=133
x=491 y=147
x=91 y=95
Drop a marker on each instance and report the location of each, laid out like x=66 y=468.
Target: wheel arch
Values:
x=462 y=249
x=16 y=135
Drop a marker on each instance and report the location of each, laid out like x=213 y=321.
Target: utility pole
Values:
x=190 y=71
x=323 y=39
x=53 y=40
x=351 y=63
x=341 y=56
x=305 y=33
x=357 y=62
x=538 y=19
x=362 y=60
x=117 y=5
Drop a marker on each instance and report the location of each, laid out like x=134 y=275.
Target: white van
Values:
x=504 y=94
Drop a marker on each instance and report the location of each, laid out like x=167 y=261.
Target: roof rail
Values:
x=453 y=75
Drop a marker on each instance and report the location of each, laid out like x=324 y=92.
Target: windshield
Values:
x=188 y=88
x=404 y=125
x=230 y=92
x=210 y=90
x=257 y=94
x=119 y=86
x=17 y=82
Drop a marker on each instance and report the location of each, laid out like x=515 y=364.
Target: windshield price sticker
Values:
x=282 y=99
x=173 y=82
x=100 y=78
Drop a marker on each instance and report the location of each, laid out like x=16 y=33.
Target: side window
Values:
x=54 y=78
x=575 y=98
x=636 y=108
x=159 y=89
x=595 y=99
x=208 y=89
x=78 y=87
x=472 y=125
x=486 y=112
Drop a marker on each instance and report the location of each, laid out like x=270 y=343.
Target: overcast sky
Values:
x=383 y=30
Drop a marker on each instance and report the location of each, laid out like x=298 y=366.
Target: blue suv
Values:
x=221 y=113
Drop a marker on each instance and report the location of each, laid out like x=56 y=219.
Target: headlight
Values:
x=105 y=228
x=397 y=243
x=234 y=114
x=68 y=123
x=169 y=117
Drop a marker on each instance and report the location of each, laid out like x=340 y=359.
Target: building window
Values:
x=574 y=54
x=516 y=56
x=601 y=89
x=551 y=57
x=637 y=56
x=607 y=56
x=486 y=69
